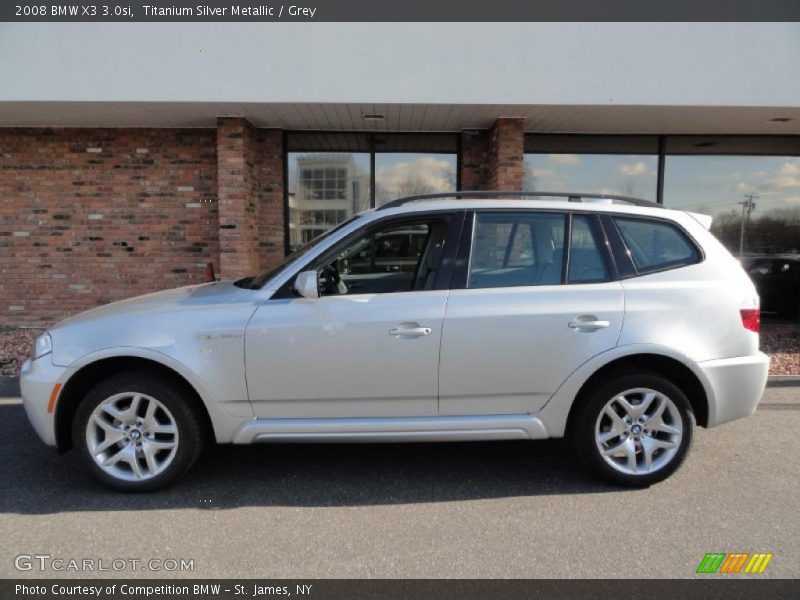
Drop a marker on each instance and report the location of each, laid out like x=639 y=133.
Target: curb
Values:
x=9 y=386
x=783 y=381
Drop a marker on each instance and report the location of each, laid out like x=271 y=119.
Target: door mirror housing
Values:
x=307 y=284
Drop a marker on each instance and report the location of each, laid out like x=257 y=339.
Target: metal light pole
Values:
x=748 y=206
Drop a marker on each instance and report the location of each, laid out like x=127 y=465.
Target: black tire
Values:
x=187 y=418
x=588 y=411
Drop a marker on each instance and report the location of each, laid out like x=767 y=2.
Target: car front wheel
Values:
x=634 y=430
x=137 y=431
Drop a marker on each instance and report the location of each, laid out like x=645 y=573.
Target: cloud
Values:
x=634 y=169
x=743 y=186
x=571 y=160
x=783 y=183
x=425 y=173
x=787 y=177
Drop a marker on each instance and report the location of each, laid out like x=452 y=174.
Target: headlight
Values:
x=42 y=345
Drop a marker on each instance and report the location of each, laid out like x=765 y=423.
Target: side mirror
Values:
x=307 y=284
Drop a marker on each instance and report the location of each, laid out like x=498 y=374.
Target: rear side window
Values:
x=517 y=249
x=656 y=245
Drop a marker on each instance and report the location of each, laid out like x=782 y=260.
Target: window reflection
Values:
x=624 y=174
x=721 y=186
x=399 y=174
x=324 y=190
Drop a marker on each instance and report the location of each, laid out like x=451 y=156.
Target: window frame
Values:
x=455 y=220
x=463 y=259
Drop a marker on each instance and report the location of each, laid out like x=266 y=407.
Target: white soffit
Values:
x=407 y=117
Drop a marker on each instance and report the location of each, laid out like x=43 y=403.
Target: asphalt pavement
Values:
x=491 y=509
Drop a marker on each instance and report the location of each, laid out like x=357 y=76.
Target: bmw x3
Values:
x=612 y=321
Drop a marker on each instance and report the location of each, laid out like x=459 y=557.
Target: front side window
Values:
x=398 y=257
x=655 y=245
x=517 y=249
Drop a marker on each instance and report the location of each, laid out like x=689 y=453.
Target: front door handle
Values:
x=587 y=323
x=410 y=330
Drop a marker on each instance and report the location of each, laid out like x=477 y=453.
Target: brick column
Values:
x=250 y=194
x=493 y=159
x=506 y=154
x=475 y=160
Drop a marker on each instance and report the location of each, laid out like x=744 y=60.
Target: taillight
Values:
x=751 y=319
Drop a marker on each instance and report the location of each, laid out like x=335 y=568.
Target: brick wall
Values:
x=267 y=167
x=89 y=216
x=237 y=207
x=475 y=160
x=493 y=159
x=506 y=154
x=250 y=175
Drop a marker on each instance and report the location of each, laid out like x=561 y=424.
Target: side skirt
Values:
x=394 y=429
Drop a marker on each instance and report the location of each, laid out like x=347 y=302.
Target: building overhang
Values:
x=410 y=117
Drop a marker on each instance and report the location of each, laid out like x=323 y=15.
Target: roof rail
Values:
x=570 y=196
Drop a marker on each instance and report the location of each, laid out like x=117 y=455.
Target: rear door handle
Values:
x=588 y=323
x=410 y=330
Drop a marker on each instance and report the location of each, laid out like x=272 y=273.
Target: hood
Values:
x=188 y=297
x=169 y=322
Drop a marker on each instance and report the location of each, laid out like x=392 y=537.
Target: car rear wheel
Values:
x=137 y=431
x=634 y=430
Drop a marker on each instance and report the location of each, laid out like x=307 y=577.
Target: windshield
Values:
x=257 y=281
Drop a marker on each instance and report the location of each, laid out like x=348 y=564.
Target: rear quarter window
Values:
x=656 y=245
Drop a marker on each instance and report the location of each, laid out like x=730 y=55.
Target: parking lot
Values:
x=510 y=509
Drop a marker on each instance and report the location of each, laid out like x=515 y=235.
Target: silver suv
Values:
x=612 y=321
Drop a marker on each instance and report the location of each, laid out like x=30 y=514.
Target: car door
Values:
x=369 y=345
x=526 y=310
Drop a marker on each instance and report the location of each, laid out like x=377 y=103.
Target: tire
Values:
x=617 y=450
x=139 y=450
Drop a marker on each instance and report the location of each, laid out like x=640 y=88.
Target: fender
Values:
x=556 y=410
x=223 y=422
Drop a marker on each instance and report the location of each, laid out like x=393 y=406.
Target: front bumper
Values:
x=38 y=378
x=734 y=386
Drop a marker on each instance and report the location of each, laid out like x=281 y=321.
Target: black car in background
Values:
x=777 y=279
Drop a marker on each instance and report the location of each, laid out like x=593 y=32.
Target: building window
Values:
x=324 y=183
x=755 y=200
x=324 y=189
x=623 y=174
x=329 y=177
x=399 y=174
x=626 y=165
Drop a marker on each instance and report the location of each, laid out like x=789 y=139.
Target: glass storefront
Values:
x=749 y=184
x=624 y=174
x=399 y=174
x=330 y=175
x=755 y=200
x=324 y=190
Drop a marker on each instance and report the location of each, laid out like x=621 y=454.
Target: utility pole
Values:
x=748 y=206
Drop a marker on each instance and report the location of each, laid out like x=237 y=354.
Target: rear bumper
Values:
x=38 y=379
x=734 y=386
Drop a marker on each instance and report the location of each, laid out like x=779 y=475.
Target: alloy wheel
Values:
x=639 y=431
x=132 y=436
